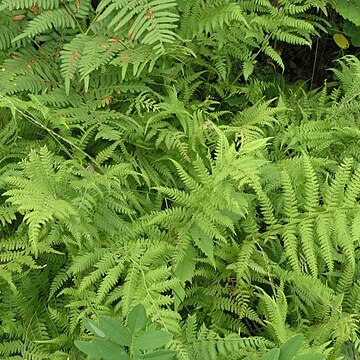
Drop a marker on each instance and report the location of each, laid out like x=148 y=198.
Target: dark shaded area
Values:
x=311 y=64
x=95 y=3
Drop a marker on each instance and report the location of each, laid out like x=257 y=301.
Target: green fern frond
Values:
x=23 y=4
x=153 y=22
x=58 y=18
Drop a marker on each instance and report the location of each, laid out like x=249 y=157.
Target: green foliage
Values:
x=111 y=336
x=348 y=9
x=288 y=351
x=353 y=31
x=142 y=162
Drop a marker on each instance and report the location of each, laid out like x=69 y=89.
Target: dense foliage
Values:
x=152 y=157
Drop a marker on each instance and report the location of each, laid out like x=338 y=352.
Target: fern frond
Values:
x=153 y=21
x=58 y=18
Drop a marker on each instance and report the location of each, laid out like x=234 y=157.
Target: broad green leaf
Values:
x=89 y=348
x=137 y=318
x=102 y=349
x=348 y=9
x=160 y=355
x=310 y=357
x=271 y=355
x=110 y=351
x=355 y=39
x=353 y=31
x=290 y=347
x=350 y=28
x=94 y=327
x=153 y=339
x=116 y=331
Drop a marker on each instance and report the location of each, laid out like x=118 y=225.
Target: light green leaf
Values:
x=250 y=147
x=86 y=82
x=203 y=242
x=271 y=355
x=67 y=85
x=186 y=267
x=153 y=339
x=94 y=327
x=310 y=357
x=248 y=68
x=160 y=355
x=179 y=296
x=137 y=318
x=102 y=349
x=116 y=331
x=290 y=347
x=88 y=348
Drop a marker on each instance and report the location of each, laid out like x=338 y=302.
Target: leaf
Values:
x=93 y=327
x=252 y=146
x=102 y=349
x=355 y=39
x=137 y=318
x=186 y=267
x=353 y=32
x=341 y=41
x=271 y=355
x=160 y=355
x=153 y=339
x=88 y=348
x=310 y=357
x=350 y=28
x=203 y=241
x=86 y=82
x=348 y=9
x=248 y=68
x=179 y=296
x=116 y=331
x=290 y=347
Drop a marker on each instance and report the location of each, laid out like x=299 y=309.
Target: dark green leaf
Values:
x=353 y=31
x=355 y=40
x=350 y=28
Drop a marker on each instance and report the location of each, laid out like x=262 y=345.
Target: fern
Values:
x=153 y=21
x=148 y=157
x=58 y=18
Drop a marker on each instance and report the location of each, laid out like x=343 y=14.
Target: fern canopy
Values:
x=161 y=198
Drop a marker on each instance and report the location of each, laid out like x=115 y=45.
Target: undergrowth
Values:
x=143 y=165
